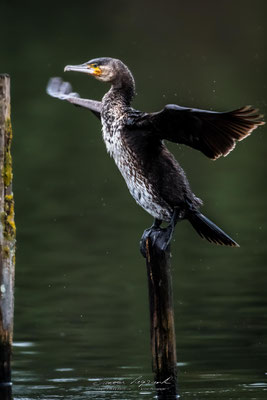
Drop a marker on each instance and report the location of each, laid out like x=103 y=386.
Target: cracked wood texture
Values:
x=7 y=235
x=162 y=330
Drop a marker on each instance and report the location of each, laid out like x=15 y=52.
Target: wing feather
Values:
x=56 y=87
x=213 y=133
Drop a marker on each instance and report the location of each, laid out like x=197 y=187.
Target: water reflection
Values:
x=6 y=392
x=195 y=382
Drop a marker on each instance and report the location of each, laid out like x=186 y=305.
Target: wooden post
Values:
x=162 y=331
x=7 y=235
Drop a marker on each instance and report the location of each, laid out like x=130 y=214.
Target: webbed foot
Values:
x=159 y=237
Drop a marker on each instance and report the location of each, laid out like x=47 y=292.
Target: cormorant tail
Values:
x=208 y=230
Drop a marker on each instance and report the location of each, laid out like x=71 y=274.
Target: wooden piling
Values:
x=162 y=330
x=7 y=235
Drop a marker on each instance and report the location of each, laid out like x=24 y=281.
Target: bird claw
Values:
x=160 y=238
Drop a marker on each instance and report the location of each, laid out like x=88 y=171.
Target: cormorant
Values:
x=135 y=140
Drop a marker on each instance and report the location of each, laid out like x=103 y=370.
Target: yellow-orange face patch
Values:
x=95 y=68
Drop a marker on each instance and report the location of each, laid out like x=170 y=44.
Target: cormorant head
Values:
x=108 y=70
x=104 y=69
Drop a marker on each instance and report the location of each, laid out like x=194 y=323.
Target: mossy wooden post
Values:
x=162 y=331
x=7 y=235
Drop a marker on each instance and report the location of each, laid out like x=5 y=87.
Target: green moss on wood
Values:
x=8 y=218
x=6 y=252
x=7 y=170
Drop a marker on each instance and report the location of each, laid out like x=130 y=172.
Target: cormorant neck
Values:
x=124 y=84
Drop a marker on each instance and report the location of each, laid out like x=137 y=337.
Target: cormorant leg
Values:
x=175 y=216
x=157 y=223
x=164 y=238
x=150 y=232
x=160 y=237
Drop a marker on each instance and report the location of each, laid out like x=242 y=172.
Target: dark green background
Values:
x=81 y=291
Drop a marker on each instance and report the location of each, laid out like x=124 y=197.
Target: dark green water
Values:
x=81 y=318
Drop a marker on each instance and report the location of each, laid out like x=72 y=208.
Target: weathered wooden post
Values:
x=162 y=330
x=7 y=236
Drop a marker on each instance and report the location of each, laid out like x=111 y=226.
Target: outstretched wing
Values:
x=213 y=133
x=56 y=87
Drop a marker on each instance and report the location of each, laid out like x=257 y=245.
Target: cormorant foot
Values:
x=164 y=239
x=148 y=233
x=160 y=237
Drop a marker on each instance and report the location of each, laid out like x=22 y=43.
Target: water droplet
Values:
x=23 y=344
x=64 y=369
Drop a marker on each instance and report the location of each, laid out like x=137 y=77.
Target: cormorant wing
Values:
x=213 y=133
x=56 y=87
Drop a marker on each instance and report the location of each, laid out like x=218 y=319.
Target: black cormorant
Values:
x=135 y=140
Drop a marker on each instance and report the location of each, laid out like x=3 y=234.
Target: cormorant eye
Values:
x=95 y=70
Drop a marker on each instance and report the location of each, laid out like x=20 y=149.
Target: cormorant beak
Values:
x=82 y=68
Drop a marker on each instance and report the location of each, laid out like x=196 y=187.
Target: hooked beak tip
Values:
x=80 y=68
x=77 y=68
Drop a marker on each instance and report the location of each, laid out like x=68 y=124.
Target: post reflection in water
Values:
x=6 y=392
